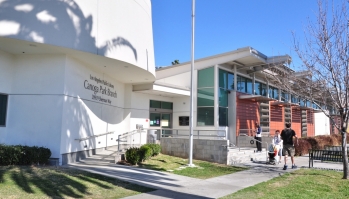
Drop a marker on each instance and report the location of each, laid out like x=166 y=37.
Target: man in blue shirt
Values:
x=259 y=138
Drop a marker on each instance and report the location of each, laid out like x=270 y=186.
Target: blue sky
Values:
x=225 y=25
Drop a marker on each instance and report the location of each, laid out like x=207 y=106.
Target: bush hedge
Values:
x=135 y=155
x=317 y=142
x=23 y=155
x=146 y=152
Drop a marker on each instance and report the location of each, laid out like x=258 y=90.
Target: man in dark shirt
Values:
x=287 y=137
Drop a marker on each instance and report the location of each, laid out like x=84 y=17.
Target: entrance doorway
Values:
x=161 y=120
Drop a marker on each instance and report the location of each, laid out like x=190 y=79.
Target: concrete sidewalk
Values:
x=169 y=185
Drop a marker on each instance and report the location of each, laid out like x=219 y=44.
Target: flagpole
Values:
x=190 y=162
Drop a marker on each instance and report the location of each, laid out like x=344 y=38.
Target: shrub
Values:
x=145 y=152
x=156 y=149
x=133 y=155
x=23 y=155
x=303 y=147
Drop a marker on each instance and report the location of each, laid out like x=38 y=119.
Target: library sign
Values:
x=100 y=88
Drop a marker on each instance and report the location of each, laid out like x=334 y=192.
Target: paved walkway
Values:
x=169 y=185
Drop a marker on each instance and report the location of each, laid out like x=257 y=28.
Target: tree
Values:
x=325 y=55
x=175 y=62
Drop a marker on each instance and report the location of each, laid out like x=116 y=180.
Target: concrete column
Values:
x=216 y=96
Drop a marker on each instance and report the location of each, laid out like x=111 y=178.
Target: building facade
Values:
x=72 y=80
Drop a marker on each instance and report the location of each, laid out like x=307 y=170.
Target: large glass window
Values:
x=223 y=81
x=206 y=78
x=226 y=83
x=205 y=116
x=223 y=116
x=260 y=89
x=273 y=92
x=249 y=86
x=205 y=93
x=223 y=98
x=241 y=84
x=3 y=109
x=206 y=97
x=230 y=81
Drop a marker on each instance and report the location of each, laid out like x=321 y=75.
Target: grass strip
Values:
x=203 y=169
x=303 y=183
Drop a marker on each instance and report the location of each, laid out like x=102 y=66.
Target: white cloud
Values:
x=36 y=37
x=24 y=7
x=45 y=17
x=9 y=28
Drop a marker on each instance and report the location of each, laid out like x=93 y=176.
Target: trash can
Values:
x=151 y=136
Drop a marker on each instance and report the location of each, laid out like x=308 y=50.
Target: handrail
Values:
x=266 y=148
x=196 y=132
x=130 y=133
x=92 y=136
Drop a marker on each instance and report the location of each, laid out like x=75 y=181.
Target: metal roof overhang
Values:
x=161 y=89
x=255 y=98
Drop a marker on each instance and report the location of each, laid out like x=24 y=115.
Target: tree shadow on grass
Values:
x=63 y=182
x=151 y=166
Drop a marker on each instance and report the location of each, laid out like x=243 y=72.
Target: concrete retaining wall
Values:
x=208 y=150
x=245 y=141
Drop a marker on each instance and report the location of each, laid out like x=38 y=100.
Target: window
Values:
x=230 y=81
x=273 y=92
x=223 y=98
x=206 y=78
x=260 y=88
x=284 y=96
x=3 y=109
x=205 y=116
x=241 y=81
x=294 y=99
x=205 y=95
x=161 y=105
x=223 y=116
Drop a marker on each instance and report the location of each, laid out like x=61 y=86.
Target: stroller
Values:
x=273 y=157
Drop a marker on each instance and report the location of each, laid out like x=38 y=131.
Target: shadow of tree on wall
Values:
x=59 y=182
x=57 y=22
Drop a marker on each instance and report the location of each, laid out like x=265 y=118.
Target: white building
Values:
x=67 y=69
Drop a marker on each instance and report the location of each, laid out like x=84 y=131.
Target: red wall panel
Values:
x=247 y=113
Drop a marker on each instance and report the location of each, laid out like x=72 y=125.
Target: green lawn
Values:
x=303 y=183
x=203 y=169
x=51 y=182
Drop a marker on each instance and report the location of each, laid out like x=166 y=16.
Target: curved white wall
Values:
x=120 y=30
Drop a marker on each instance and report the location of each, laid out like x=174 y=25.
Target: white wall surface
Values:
x=35 y=120
x=35 y=101
x=322 y=124
x=182 y=80
x=39 y=74
x=6 y=78
x=6 y=72
x=83 y=115
x=85 y=26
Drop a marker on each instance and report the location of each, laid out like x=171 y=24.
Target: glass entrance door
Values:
x=162 y=120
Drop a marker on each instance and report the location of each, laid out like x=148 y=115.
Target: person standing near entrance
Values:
x=259 y=138
x=287 y=136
